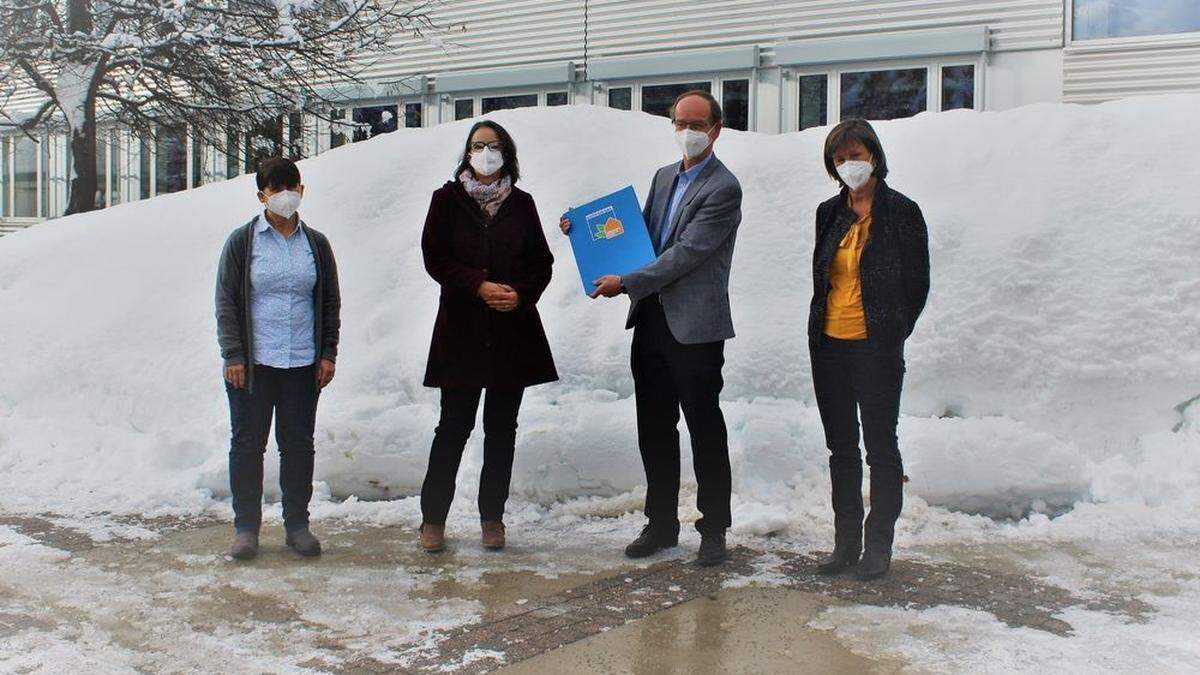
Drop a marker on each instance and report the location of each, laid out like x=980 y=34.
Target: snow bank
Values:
x=1058 y=348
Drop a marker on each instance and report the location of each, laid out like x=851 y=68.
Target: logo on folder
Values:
x=604 y=224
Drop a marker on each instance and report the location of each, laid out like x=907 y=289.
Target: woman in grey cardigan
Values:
x=278 y=321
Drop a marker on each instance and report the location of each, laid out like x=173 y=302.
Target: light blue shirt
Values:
x=283 y=275
x=683 y=180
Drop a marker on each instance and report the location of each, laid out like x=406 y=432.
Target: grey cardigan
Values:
x=234 y=334
x=691 y=274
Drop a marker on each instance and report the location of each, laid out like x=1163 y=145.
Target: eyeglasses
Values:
x=480 y=146
x=680 y=125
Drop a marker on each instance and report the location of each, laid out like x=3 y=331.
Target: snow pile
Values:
x=1053 y=364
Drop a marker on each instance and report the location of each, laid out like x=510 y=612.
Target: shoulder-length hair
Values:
x=851 y=130
x=508 y=150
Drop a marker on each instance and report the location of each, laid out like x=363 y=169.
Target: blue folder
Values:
x=609 y=236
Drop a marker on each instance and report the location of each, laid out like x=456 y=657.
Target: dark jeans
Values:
x=459 y=406
x=852 y=377
x=669 y=376
x=291 y=395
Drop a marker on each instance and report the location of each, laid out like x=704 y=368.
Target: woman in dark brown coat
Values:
x=483 y=243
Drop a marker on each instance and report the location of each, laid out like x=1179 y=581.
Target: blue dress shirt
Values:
x=283 y=276
x=683 y=180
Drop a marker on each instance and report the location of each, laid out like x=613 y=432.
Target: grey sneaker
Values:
x=245 y=545
x=303 y=542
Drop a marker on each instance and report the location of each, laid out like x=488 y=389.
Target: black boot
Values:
x=652 y=540
x=887 y=498
x=845 y=477
x=712 y=549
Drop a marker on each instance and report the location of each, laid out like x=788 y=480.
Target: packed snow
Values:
x=1052 y=383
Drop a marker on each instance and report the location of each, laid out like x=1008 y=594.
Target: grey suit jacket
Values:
x=691 y=274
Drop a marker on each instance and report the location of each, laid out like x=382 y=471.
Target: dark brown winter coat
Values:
x=474 y=345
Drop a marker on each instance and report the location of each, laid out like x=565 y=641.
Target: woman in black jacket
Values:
x=870 y=282
x=483 y=244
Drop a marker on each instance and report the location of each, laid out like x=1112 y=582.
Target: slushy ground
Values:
x=162 y=596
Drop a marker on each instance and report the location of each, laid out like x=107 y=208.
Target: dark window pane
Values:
x=232 y=153
x=114 y=167
x=464 y=109
x=657 y=98
x=25 y=193
x=101 y=171
x=1096 y=19
x=556 y=98
x=884 y=94
x=5 y=202
x=621 y=98
x=958 y=87
x=735 y=103
x=495 y=103
x=814 y=101
x=198 y=162
x=374 y=120
x=145 y=166
x=337 y=127
x=170 y=160
x=265 y=140
x=412 y=115
x=295 y=135
x=44 y=147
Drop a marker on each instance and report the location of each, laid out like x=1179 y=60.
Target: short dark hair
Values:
x=508 y=150
x=714 y=107
x=855 y=129
x=276 y=173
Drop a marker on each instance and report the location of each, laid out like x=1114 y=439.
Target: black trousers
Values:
x=852 y=377
x=459 y=407
x=290 y=395
x=669 y=376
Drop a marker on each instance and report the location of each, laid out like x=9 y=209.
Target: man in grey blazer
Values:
x=681 y=319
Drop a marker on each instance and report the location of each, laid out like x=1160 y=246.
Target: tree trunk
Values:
x=82 y=191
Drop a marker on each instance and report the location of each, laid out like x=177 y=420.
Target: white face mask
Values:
x=855 y=173
x=284 y=204
x=692 y=143
x=487 y=161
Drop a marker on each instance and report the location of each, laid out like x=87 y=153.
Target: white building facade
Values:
x=776 y=65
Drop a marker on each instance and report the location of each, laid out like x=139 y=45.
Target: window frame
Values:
x=716 y=82
x=833 y=72
x=1160 y=40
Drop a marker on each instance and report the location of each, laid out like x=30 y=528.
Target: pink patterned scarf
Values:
x=489 y=197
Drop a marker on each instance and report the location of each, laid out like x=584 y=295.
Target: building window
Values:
x=101 y=171
x=337 y=127
x=464 y=109
x=494 y=103
x=884 y=94
x=114 y=167
x=44 y=197
x=197 y=161
x=5 y=202
x=814 y=100
x=657 y=98
x=295 y=135
x=735 y=103
x=1097 y=19
x=232 y=153
x=371 y=121
x=25 y=189
x=554 y=98
x=170 y=160
x=958 y=87
x=264 y=141
x=145 y=167
x=621 y=98
x=412 y=115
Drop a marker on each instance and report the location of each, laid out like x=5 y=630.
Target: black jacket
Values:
x=474 y=345
x=234 y=334
x=894 y=268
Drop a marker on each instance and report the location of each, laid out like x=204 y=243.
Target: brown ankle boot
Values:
x=433 y=537
x=493 y=534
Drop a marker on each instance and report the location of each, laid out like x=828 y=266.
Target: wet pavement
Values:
x=374 y=602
